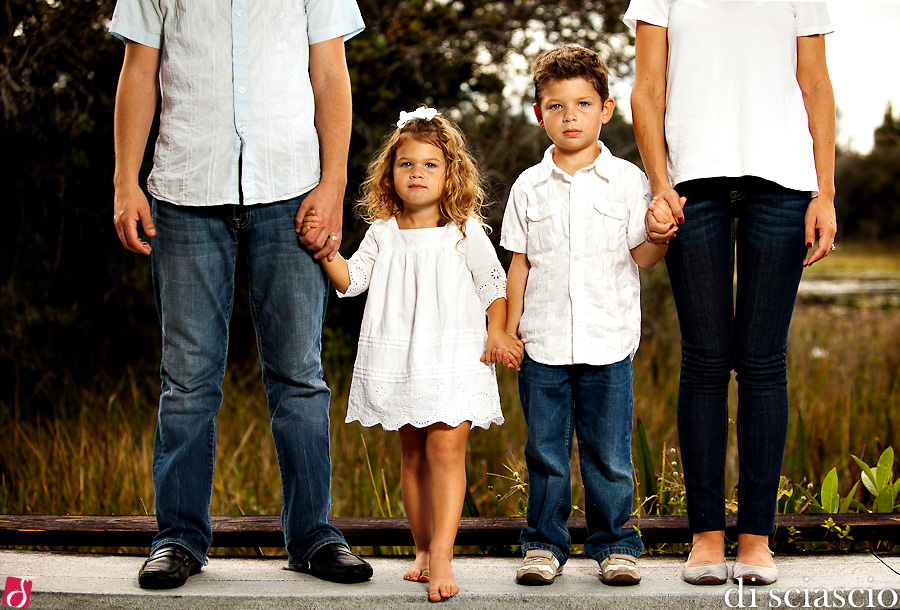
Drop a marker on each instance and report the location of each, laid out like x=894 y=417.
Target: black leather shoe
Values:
x=336 y=563
x=167 y=567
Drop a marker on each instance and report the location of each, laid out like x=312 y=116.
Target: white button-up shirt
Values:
x=582 y=298
x=237 y=117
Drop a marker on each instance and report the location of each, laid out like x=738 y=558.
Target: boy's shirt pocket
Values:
x=545 y=229
x=609 y=227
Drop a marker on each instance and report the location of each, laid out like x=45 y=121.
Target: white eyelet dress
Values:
x=423 y=329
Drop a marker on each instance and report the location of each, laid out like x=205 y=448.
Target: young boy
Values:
x=575 y=223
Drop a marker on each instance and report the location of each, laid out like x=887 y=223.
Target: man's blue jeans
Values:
x=745 y=330
x=193 y=261
x=596 y=403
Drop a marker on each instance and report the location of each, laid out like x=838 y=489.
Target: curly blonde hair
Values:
x=464 y=192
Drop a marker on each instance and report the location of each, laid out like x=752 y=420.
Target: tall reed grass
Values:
x=94 y=454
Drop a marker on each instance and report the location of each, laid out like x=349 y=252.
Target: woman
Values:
x=734 y=118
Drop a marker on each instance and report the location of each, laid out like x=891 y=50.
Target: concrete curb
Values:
x=76 y=581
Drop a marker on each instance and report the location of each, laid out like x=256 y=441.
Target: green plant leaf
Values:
x=847 y=502
x=883 y=470
x=884 y=501
x=815 y=508
x=829 y=496
x=866 y=476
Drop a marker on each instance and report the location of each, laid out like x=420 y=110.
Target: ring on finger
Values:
x=332 y=237
x=833 y=247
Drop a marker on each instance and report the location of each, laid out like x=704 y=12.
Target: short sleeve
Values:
x=812 y=19
x=482 y=261
x=654 y=12
x=513 y=233
x=138 y=21
x=361 y=264
x=328 y=19
x=638 y=203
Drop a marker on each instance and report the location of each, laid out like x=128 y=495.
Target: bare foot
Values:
x=708 y=548
x=443 y=583
x=754 y=550
x=418 y=571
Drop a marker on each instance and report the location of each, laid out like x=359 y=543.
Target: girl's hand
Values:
x=310 y=221
x=503 y=348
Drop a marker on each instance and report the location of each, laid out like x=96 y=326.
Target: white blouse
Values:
x=733 y=104
x=423 y=330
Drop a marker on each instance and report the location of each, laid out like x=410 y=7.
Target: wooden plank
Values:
x=265 y=530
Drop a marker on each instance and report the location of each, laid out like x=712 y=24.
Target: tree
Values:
x=868 y=194
x=73 y=301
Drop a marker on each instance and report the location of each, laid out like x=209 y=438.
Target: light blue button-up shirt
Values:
x=237 y=118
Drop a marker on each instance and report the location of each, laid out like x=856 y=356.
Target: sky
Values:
x=864 y=64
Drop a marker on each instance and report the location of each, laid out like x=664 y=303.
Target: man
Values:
x=254 y=130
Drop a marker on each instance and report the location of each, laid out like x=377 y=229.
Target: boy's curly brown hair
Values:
x=464 y=192
x=571 y=61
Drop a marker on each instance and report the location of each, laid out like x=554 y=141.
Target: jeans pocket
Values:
x=609 y=226
x=544 y=231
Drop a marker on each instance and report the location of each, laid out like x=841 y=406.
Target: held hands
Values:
x=130 y=208
x=310 y=224
x=327 y=201
x=310 y=221
x=503 y=348
x=663 y=216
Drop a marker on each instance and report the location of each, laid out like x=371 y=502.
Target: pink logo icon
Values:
x=17 y=592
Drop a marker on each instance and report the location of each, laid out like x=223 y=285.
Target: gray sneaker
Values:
x=539 y=567
x=620 y=569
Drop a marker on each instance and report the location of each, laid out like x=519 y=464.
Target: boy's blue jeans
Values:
x=742 y=327
x=193 y=261
x=596 y=403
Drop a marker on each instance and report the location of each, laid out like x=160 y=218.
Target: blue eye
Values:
x=584 y=104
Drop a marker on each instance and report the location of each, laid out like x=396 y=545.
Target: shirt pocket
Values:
x=544 y=231
x=609 y=229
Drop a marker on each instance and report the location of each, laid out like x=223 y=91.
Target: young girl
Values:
x=424 y=360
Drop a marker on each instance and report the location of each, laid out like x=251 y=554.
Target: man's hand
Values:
x=129 y=209
x=327 y=202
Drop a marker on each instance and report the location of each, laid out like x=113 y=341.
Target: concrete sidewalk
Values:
x=76 y=581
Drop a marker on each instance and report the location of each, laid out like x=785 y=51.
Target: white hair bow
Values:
x=419 y=113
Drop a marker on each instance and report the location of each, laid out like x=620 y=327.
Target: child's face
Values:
x=572 y=113
x=419 y=169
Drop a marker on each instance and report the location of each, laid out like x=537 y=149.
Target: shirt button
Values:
x=577 y=257
x=240 y=13
x=241 y=89
x=241 y=52
x=242 y=129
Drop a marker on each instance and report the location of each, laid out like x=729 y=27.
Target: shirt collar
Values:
x=599 y=165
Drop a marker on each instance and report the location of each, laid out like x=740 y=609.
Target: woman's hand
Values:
x=821 y=219
x=659 y=222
